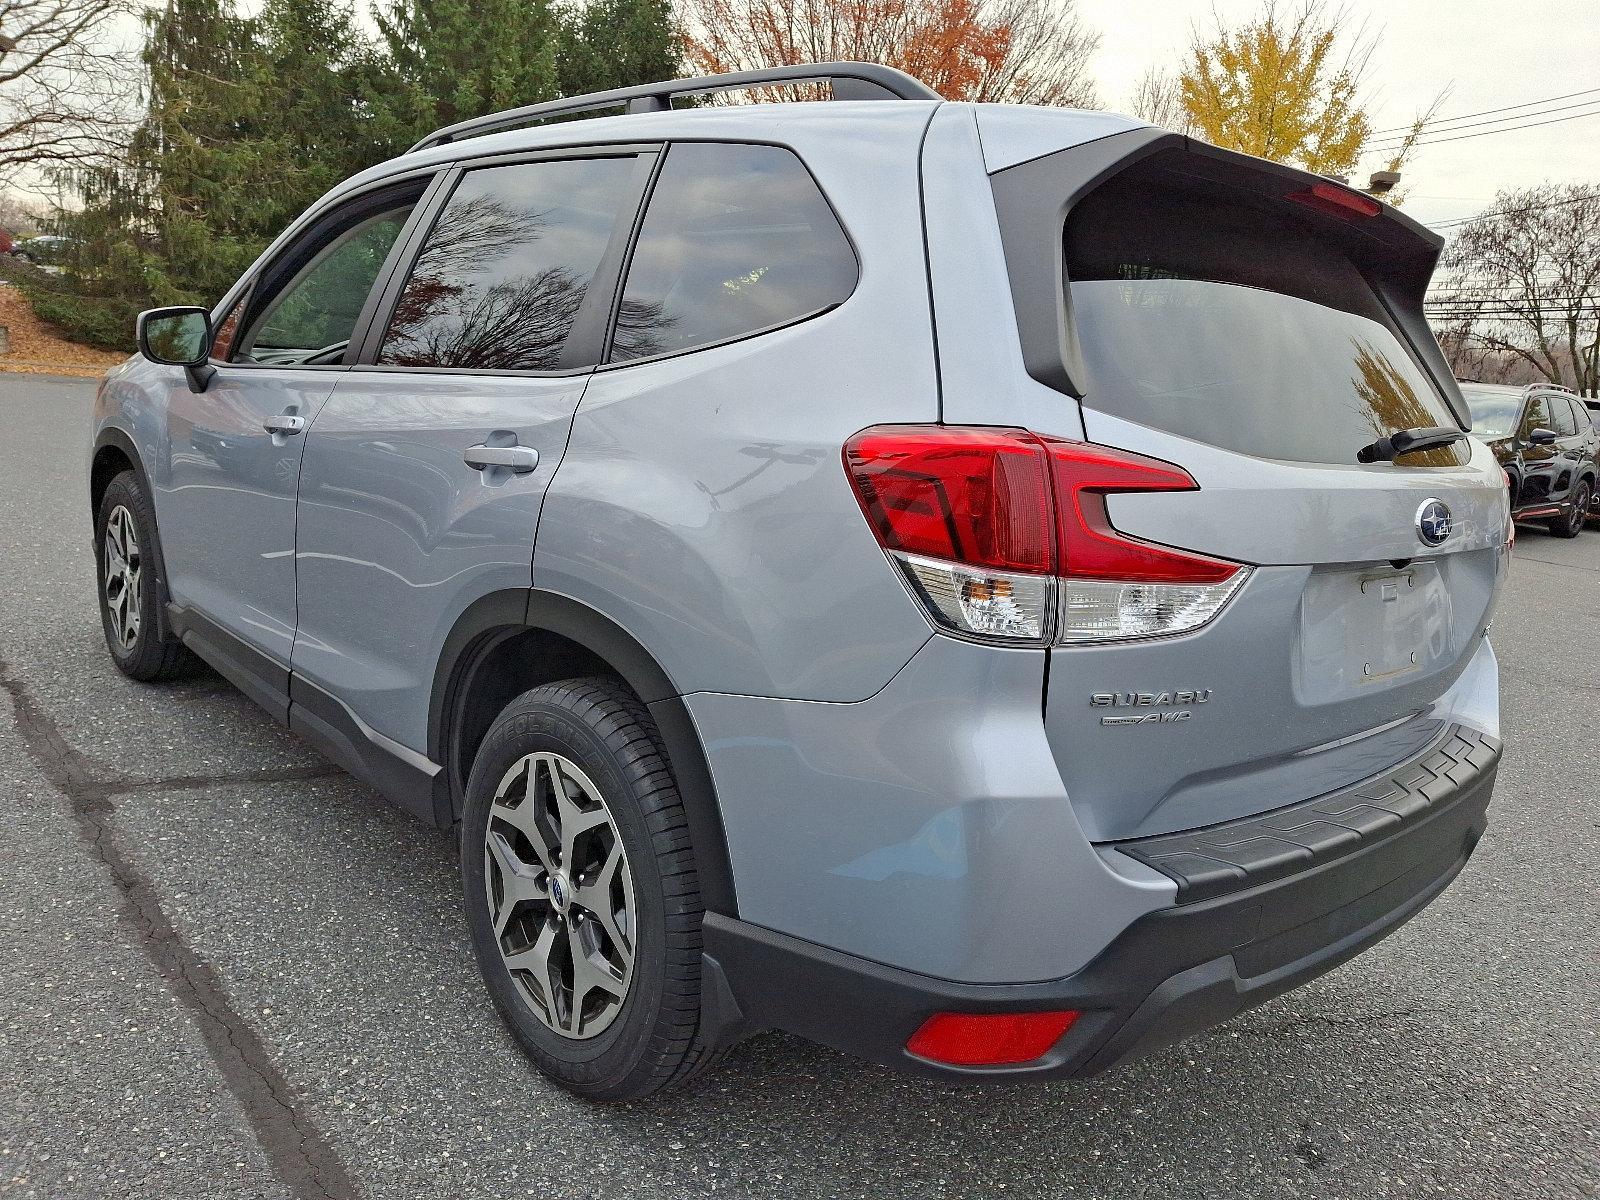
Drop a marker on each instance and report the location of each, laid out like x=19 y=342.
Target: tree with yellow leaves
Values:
x=1285 y=85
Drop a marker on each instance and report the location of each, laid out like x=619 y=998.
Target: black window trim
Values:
x=633 y=241
x=608 y=273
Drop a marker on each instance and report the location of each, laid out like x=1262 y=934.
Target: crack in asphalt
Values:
x=300 y=1157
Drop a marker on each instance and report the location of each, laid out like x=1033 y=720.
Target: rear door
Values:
x=1257 y=328
x=1574 y=442
x=425 y=471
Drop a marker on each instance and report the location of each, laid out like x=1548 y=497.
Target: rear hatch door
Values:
x=1258 y=328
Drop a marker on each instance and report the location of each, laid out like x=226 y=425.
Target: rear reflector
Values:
x=1336 y=201
x=1004 y=533
x=989 y=1039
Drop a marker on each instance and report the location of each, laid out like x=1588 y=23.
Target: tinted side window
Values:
x=309 y=317
x=501 y=275
x=1580 y=416
x=1562 y=416
x=737 y=239
x=1537 y=416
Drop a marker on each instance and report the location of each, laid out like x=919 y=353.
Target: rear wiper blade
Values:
x=1408 y=441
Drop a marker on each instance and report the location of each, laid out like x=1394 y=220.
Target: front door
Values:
x=1538 y=460
x=425 y=471
x=227 y=510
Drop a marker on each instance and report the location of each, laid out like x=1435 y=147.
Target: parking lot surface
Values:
x=228 y=970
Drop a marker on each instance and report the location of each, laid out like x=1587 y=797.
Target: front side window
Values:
x=737 y=239
x=309 y=316
x=1537 y=416
x=504 y=270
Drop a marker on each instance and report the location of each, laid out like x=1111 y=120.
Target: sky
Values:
x=1489 y=53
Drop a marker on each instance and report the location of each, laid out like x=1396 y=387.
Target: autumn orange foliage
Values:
x=1018 y=50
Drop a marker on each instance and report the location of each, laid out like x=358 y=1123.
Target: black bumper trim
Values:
x=1239 y=854
x=1171 y=973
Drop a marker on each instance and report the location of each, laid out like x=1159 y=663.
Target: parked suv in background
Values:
x=1549 y=446
x=990 y=589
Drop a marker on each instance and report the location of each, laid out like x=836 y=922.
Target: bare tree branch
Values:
x=1522 y=284
x=65 y=92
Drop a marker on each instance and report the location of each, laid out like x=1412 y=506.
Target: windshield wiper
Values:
x=1408 y=441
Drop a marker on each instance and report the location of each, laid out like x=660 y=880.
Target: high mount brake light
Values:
x=1004 y=533
x=1337 y=201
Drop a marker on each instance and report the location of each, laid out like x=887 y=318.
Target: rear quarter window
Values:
x=737 y=239
x=1236 y=326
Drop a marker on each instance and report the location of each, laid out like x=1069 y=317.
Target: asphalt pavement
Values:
x=228 y=970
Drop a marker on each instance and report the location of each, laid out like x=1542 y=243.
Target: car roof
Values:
x=1010 y=133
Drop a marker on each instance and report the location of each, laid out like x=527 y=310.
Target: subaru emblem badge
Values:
x=1434 y=522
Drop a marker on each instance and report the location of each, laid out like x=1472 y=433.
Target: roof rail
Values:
x=851 y=81
x=1549 y=387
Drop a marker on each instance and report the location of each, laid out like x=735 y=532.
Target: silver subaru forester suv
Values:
x=990 y=589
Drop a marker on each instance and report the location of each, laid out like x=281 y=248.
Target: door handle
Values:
x=520 y=459
x=285 y=423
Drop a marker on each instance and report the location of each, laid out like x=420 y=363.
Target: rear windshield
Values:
x=1237 y=327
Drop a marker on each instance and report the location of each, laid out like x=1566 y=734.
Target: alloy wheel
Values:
x=124 y=577
x=1580 y=509
x=560 y=894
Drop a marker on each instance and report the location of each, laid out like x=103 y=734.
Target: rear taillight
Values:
x=1004 y=533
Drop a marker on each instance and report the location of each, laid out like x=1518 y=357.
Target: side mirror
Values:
x=1542 y=437
x=178 y=337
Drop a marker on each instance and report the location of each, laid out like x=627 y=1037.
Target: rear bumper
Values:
x=1235 y=939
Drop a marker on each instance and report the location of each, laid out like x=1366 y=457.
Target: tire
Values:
x=530 y=912
x=132 y=587
x=1571 y=524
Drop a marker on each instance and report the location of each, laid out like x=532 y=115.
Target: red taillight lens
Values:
x=974 y=496
x=1091 y=548
x=1337 y=201
x=989 y=1039
x=1004 y=533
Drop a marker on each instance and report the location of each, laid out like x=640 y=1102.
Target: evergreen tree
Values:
x=448 y=60
x=250 y=119
x=615 y=43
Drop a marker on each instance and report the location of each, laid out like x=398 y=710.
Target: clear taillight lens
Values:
x=1002 y=533
x=972 y=600
x=1094 y=610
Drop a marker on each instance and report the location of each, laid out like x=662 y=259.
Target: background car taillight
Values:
x=1003 y=533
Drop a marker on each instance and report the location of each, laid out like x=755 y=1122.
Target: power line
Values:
x=1513 y=212
x=1550 y=318
x=1495 y=121
x=1487 y=132
x=1443 y=121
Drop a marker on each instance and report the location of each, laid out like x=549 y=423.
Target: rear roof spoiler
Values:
x=1033 y=198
